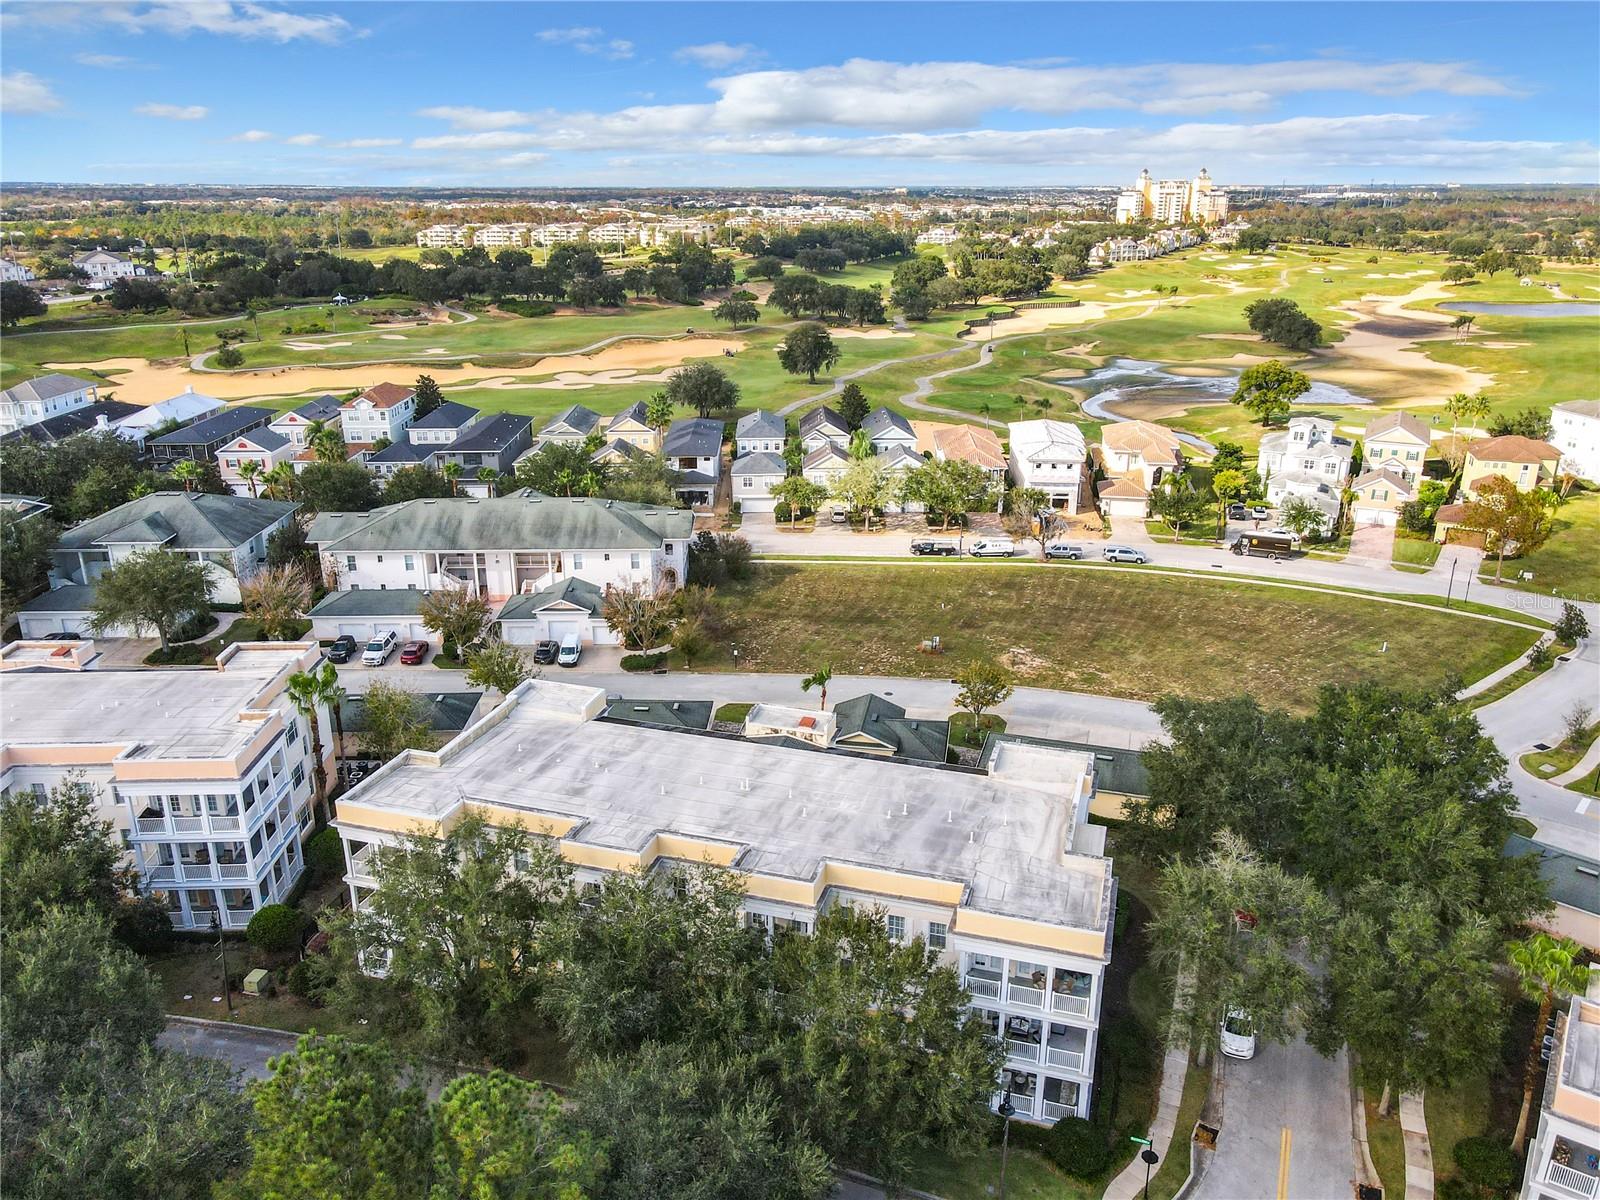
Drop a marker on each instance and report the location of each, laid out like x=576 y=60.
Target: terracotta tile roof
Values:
x=970 y=443
x=1512 y=448
x=386 y=395
x=1398 y=421
x=1121 y=489
x=1385 y=476
x=1156 y=444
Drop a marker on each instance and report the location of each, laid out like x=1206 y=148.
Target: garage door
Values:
x=519 y=633
x=758 y=504
x=603 y=635
x=394 y=627
x=359 y=630
x=561 y=630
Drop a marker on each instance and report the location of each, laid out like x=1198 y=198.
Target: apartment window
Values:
x=299 y=774
x=577 y=562
x=938 y=935
x=669 y=547
x=127 y=842
x=294 y=733
x=897 y=929
x=349 y=562
x=411 y=562
x=380 y=558
x=633 y=562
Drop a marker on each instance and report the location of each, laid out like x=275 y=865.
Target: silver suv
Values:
x=1124 y=554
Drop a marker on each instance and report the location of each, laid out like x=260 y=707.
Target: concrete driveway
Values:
x=1372 y=545
x=1285 y=1116
x=122 y=653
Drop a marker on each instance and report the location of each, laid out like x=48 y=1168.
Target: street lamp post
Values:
x=222 y=953
x=1007 y=1111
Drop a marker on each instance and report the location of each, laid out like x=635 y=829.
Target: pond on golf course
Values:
x=1580 y=308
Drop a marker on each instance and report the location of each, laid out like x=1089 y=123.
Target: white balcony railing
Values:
x=982 y=985
x=1077 y=1006
x=1573 y=1181
x=1025 y=995
x=1055 y=1111
x=1020 y=1048
x=1071 y=1059
x=225 y=824
x=161 y=873
x=232 y=871
x=188 y=824
x=150 y=825
x=193 y=871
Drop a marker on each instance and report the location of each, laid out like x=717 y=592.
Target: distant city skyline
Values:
x=823 y=95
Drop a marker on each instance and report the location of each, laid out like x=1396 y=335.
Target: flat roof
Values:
x=1003 y=833
x=161 y=713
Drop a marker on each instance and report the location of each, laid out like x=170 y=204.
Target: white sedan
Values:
x=1238 y=1034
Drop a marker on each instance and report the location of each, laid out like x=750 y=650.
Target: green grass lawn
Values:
x=1568 y=564
x=1454 y=1113
x=1546 y=764
x=736 y=712
x=1028 y=1177
x=1128 y=633
x=964 y=731
x=1385 y=1142
x=1417 y=551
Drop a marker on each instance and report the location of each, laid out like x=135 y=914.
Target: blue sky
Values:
x=522 y=94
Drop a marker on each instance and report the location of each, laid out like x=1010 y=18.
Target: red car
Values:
x=413 y=652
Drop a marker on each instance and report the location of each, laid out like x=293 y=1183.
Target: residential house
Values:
x=261 y=446
x=228 y=533
x=899 y=462
x=759 y=432
x=384 y=463
x=998 y=872
x=1396 y=442
x=975 y=444
x=754 y=475
x=383 y=411
x=372 y=613
x=296 y=425
x=187 y=407
x=505 y=546
x=1140 y=450
x=822 y=426
x=870 y=724
x=105 y=267
x=1576 y=433
x=1376 y=496
x=43 y=397
x=11 y=271
x=208 y=775
x=494 y=442
x=200 y=442
x=443 y=425
x=101 y=417
x=1307 y=460
x=1563 y=1161
x=693 y=448
x=1051 y=456
x=617 y=452
x=24 y=508
x=632 y=427
x=825 y=464
x=670 y=714
x=1122 y=496
x=576 y=424
x=889 y=430
x=1526 y=462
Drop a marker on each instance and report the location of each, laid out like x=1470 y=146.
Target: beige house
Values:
x=1526 y=462
x=1377 y=497
x=1397 y=442
x=1141 y=451
x=631 y=426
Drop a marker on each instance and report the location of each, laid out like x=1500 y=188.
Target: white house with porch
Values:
x=1050 y=456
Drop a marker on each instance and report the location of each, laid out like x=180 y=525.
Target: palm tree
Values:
x=819 y=679
x=1547 y=968
x=187 y=473
x=489 y=477
x=452 y=472
x=326 y=442
x=280 y=482
x=309 y=692
x=250 y=471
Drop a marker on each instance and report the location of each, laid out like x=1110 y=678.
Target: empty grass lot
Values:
x=1130 y=634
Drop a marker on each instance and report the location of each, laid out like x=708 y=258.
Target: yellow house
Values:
x=1526 y=462
x=1376 y=497
x=1397 y=442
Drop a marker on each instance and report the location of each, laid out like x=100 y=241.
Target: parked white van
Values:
x=571 y=650
x=993 y=547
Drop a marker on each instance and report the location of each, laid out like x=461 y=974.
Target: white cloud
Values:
x=587 y=39
x=108 y=62
x=24 y=92
x=370 y=143
x=303 y=139
x=717 y=56
x=525 y=158
x=221 y=18
x=173 y=112
x=467 y=116
x=488 y=140
x=253 y=135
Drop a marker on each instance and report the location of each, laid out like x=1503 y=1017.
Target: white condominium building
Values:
x=501 y=237
x=996 y=869
x=207 y=776
x=1575 y=426
x=1564 y=1156
x=444 y=237
x=12 y=271
x=1173 y=201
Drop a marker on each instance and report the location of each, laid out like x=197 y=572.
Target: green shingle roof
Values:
x=1572 y=879
x=524 y=520
x=571 y=591
x=368 y=602
x=198 y=520
x=886 y=722
x=678 y=714
x=75 y=597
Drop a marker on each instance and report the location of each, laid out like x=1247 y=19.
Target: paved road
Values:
x=245 y=1050
x=1283 y=1088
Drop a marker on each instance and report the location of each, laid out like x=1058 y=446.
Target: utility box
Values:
x=258 y=982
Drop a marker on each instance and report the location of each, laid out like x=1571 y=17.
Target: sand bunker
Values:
x=572 y=381
x=391 y=337
x=874 y=335
x=138 y=381
x=1037 y=320
x=1399 y=274
x=1130 y=293
x=314 y=345
x=1233 y=285
x=1230 y=337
